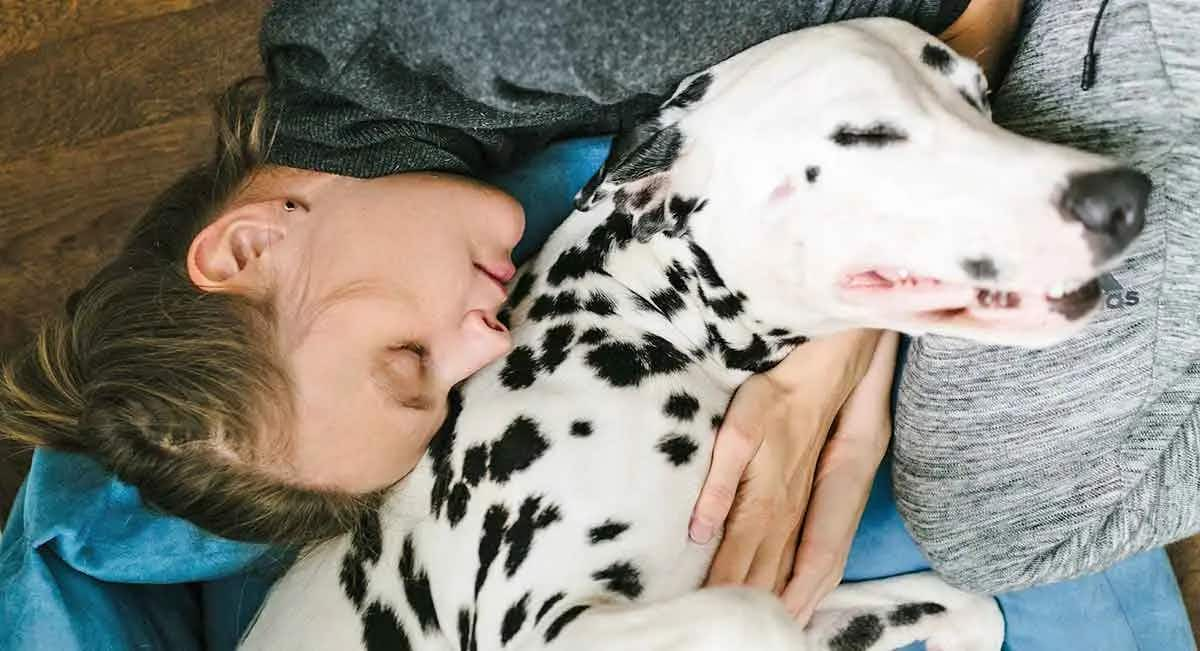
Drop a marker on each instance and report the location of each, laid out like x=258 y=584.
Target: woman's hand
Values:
x=770 y=447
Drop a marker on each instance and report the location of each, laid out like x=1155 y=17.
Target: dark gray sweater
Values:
x=373 y=87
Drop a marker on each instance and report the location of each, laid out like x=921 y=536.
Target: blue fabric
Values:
x=84 y=565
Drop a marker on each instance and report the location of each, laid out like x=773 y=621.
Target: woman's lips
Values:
x=501 y=272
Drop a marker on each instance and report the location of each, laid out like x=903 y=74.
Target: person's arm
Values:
x=985 y=32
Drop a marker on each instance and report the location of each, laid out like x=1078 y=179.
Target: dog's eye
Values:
x=879 y=134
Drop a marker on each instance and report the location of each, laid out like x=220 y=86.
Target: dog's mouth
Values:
x=933 y=299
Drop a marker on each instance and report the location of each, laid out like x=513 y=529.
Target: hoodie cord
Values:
x=1089 y=61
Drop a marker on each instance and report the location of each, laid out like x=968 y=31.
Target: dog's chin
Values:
x=1008 y=316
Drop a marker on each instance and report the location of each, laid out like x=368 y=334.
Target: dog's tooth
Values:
x=1057 y=290
x=903 y=274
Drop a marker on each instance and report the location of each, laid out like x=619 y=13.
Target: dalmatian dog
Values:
x=841 y=176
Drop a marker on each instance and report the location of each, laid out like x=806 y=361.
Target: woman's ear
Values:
x=229 y=254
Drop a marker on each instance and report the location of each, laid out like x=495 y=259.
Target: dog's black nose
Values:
x=1111 y=205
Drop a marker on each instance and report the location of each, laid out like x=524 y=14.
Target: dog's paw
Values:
x=975 y=623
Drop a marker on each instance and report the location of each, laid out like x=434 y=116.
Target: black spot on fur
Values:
x=778 y=332
x=682 y=405
x=617 y=362
x=938 y=58
x=366 y=546
x=555 y=343
x=667 y=302
x=662 y=356
x=642 y=303
x=679 y=448
x=607 y=531
x=353 y=578
x=550 y=306
x=677 y=275
x=562 y=620
x=876 y=135
x=728 y=306
x=367 y=539
x=811 y=173
x=581 y=429
x=475 y=464
x=625 y=364
x=519 y=369
x=464 y=629
x=716 y=421
x=859 y=634
x=516 y=449
x=590 y=257
x=704 y=266
x=456 y=507
x=909 y=614
x=681 y=210
x=622 y=578
x=547 y=605
x=495 y=521
x=440 y=447
x=530 y=518
x=600 y=304
x=593 y=336
x=514 y=619
x=970 y=99
x=416 y=588
x=754 y=357
x=694 y=92
x=521 y=289
x=980 y=268
x=382 y=630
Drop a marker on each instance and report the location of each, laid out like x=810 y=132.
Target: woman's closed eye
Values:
x=404 y=376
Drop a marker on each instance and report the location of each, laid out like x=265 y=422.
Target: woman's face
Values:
x=386 y=293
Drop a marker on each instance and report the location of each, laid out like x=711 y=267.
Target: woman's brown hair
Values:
x=171 y=388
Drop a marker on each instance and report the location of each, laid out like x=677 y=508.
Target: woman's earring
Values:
x=289 y=205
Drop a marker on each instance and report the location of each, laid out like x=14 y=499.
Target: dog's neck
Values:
x=672 y=275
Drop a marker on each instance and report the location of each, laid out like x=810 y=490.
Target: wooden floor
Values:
x=105 y=104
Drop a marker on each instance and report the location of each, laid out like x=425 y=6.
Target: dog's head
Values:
x=852 y=172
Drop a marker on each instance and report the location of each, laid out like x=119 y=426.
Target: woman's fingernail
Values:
x=701 y=532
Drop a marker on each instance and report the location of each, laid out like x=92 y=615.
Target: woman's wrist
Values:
x=820 y=374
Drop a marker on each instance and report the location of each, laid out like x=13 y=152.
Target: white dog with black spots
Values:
x=842 y=176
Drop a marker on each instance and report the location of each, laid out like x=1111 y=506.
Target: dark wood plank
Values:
x=124 y=77
x=63 y=212
x=25 y=25
x=112 y=107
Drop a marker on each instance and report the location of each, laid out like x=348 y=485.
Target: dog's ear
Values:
x=637 y=177
x=637 y=172
x=635 y=154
